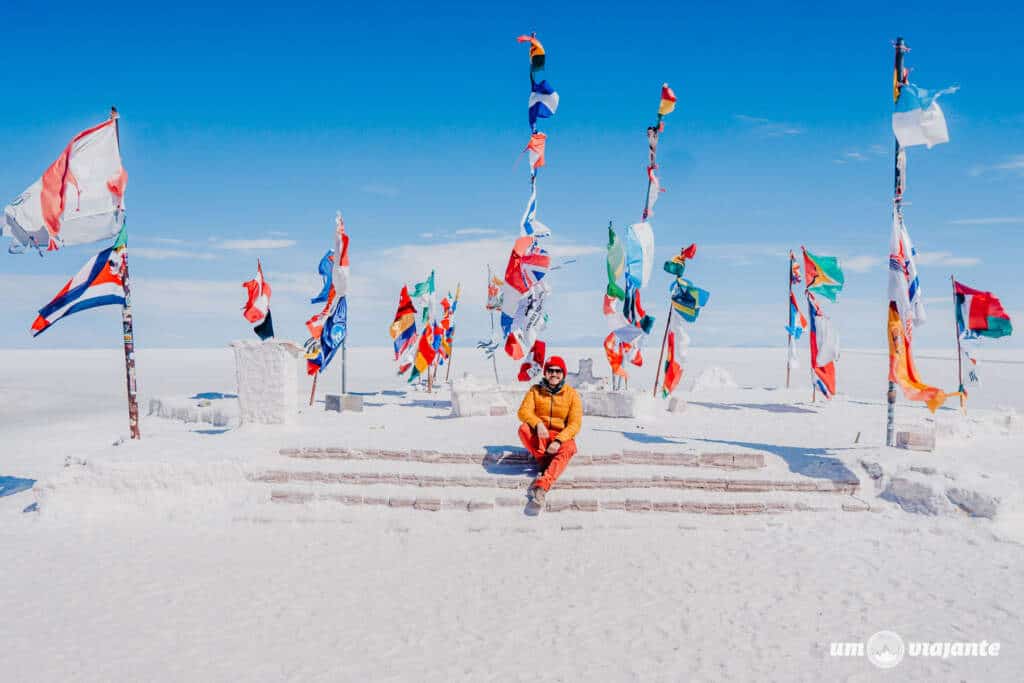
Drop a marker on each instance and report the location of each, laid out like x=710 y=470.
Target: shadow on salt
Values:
x=809 y=462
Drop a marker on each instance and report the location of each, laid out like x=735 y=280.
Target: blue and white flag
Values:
x=326 y=264
x=543 y=102
x=331 y=338
x=98 y=283
x=530 y=225
x=918 y=120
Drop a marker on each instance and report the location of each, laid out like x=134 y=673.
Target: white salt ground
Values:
x=152 y=562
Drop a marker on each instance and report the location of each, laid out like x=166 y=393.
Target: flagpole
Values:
x=312 y=392
x=789 y=334
x=127 y=324
x=451 y=324
x=344 y=362
x=959 y=352
x=658 y=371
x=898 y=181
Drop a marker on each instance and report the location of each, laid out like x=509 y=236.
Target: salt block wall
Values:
x=268 y=381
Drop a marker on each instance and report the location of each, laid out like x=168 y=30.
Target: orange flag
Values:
x=902 y=370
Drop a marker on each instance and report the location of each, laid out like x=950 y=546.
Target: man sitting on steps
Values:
x=552 y=414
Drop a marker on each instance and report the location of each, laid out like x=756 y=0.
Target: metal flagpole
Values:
x=898 y=183
x=127 y=326
x=344 y=364
x=658 y=370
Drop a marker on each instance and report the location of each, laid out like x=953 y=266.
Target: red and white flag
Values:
x=536 y=149
x=259 y=297
x=78 y=199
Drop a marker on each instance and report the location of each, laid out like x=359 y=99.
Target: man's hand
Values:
x=542 y=430
x=554 y=447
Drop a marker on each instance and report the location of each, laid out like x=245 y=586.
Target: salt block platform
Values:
x=723 y=483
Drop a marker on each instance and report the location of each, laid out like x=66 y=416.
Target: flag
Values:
x=633 y=310
x=258 y=302
x=265 y=330
x=616 y=266
x=97 y=283
x=536 y=52
x=901 y=366
x=324 y=268
x=531 y=227
x=332 y=337
x=543 y=102
x=494 y=285
x=535 y=365
x=403 y=329
x=315 y=325
x=824 y=348
x=969 y=365
x=653 y=190
x=340 y=271
x=823 y=275
x=424 y=355
x=677 y=264
x=527 y=265
x=980 y=314
x=639 y=253
x=529 y=319
x=904 y=285
x=78 y=199
x=613 y=351
x=668 y=100
x=917 y=119
x=794 y=269
x=797 y=321
x=673 y=371
x=424 y=293
x=687 y=299
x=536 y=149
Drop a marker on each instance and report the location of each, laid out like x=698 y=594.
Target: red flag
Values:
x=259 y=296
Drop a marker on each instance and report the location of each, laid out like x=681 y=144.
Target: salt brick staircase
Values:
x=629 y=481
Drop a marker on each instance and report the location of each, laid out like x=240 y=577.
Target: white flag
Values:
x=79 y=199
x=918 y=120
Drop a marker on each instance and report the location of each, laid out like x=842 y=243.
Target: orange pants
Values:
x=553 y=465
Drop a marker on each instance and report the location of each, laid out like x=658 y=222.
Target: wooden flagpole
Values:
x=659 y=371
x=898 y=183
x=789 y=334
x=494 y=359
x=959 y=353
x=451 y=323
x=127 y=325
x=312 y=391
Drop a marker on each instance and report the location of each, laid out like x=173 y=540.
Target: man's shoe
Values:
x=537 y=494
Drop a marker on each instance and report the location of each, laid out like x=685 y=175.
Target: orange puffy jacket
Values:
x=561 y=412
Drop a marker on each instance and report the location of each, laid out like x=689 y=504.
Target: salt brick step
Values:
x=575 y=483
x=636 y=505
x=724 y=460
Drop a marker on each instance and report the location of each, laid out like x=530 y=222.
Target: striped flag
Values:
x=980 y=314
x=668 y=100
x=98 y=283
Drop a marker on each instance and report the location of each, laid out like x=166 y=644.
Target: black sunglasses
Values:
x=558 y=370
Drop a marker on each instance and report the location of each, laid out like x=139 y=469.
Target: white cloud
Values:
x=945 y=258
x=165 y=240
x=1014 y=164
x=860 y=264
x=164 y=254
x=245 y=245
x=475 y=231
x=427 y=235
x=856 y=156
x=743 y=253
x=1007 y=220
x=767 y=127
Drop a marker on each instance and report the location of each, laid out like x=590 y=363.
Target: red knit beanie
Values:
x=555 y=362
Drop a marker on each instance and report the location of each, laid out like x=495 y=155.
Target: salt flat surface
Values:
x=157 y=560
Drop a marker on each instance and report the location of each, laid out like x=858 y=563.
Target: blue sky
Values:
x=244 y=129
